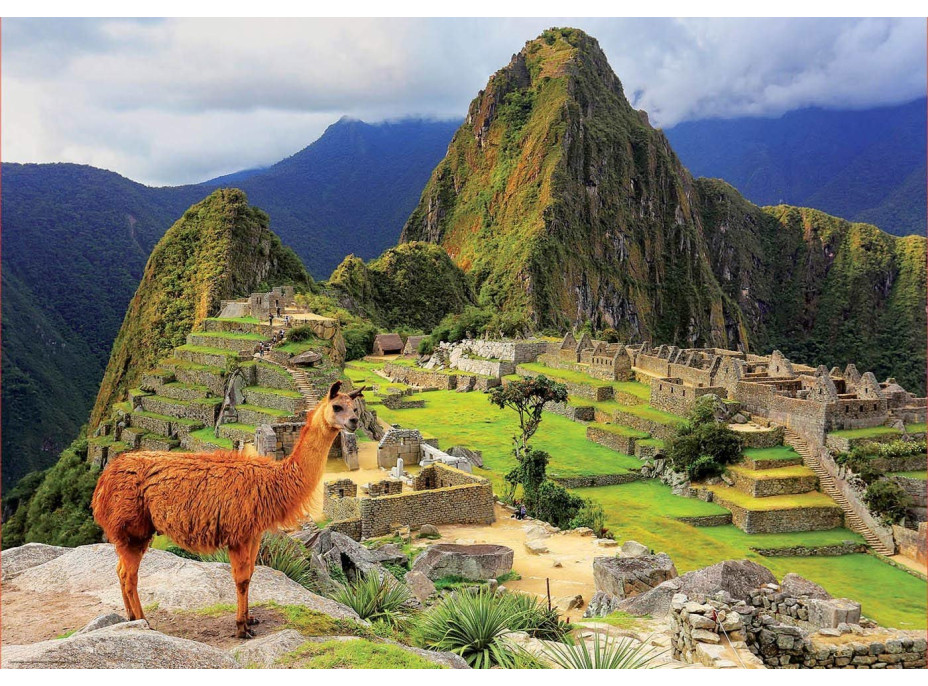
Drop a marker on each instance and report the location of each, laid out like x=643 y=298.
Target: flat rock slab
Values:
x=130 y=645
x=174 y=583
x=623 y=577
x=474 y=562
x=17 y=560
x=796 y=586
x=265 y=651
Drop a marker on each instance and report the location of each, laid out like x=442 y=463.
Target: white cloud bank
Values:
x=176 y=101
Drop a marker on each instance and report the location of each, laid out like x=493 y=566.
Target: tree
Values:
x=528 y=397
x=703 y=446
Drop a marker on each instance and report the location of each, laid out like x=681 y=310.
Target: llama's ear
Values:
x=333 y=389
x=357 y=393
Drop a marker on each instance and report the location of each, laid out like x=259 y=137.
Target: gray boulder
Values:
x=474 y=562
x=428 y=530
x=101 y=622
x=419 y=585
x=737 y=577
x=338 y=551
x=623 y=577
x=634 y=549
x=129 y=645
x=601 y=604
x=16 y=560
x=173 y=582
x=796 y=586
x=263 y=652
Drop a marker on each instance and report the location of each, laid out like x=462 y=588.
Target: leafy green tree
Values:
x=528 y=397
x=887 y=499
x=703 y=446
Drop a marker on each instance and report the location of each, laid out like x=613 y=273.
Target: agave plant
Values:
x=603 y=653
x=278 y=551
x=375 y=597
x=531 y=615
x=474 y=626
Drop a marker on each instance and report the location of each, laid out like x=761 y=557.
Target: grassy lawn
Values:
x=231 y=335
x=286 y=393
x=651 y=413
x=622 y=430
x=916 y=428
x=237 y=320
x=777 y=473
x=639 y=390
x=208 y=436
x=778 y=452
x=872 y=432
x=355 y=654
x=774 y=502
x=295 y=348
x=911 y=475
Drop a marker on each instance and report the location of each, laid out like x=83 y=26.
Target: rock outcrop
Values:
x=474 y=562
x=624 y=577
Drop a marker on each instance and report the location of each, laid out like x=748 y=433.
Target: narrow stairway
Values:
x=829 y=488
x=306 y=389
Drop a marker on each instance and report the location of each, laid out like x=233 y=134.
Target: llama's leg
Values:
x=255 y=546
x=242 y=567
x=130 y=557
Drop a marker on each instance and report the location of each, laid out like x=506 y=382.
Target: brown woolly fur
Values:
x=207 y=501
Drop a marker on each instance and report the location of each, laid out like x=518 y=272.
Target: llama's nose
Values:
x=353 y=423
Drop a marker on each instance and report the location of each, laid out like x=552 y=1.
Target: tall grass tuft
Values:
x=375 y=598
x=604 y=653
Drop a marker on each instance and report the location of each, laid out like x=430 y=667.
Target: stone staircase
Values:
x=304 y=385
x=828 y=486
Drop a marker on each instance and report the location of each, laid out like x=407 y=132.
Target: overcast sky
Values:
x=178 y=101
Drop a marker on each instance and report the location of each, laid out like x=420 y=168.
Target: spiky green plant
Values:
x=278 y=551
x=604 y=653
x=375 y=597
x=531 y=615
x=474 y=626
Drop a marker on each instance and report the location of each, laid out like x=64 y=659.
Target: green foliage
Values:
x=475 y=625
x=355 y=654
x=453 y=327
x=702 y=447
x=528 y=397
x=606 y=652
x=555 y=504
x=592 y=516
x=887 y=499
x=375 y=597
x=413 y=285
x=298 y=334
x=359 y=339
x=58 y=513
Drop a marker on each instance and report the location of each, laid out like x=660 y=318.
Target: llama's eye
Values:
x=337 y=408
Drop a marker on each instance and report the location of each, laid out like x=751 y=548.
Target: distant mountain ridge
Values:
x=861 y=165
x=76 y=240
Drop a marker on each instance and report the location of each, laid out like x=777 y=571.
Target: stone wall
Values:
x=399 y=443
x=670 y=394
x=420 y=377
x=399 y=401
x=656 y=429
x=385 y=487
x=516 y=351
x=766 y=437
x=584 y=413
x=763 y=488
x=467 y=499
x=783 y=521
x=349 y=527
x=775 y=630
x=589 y=391
x=616 y=441
x=494 y=368
x=912 y=543
x=652 y=364
x=834 y=550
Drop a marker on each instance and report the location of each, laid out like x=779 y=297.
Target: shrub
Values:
x=472 y=625
x=426 y=346
x=555 y=504
x=605 y=653
x=375 y=597
x=532 y=615
x=301 y=333
x=359 y=339
x=592 y=516
x=702 y=447
x=887 y=499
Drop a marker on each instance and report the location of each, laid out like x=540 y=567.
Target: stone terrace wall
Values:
x=670 y=395
x=517 y=351
x=494 y=368
x=420 y=377
x=590 y=391
x=781 y=521
x=652 y=365
x=912 y=543
x=767 y=437
x=459 y=498
x=577 y=414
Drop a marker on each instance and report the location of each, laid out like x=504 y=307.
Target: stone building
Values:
x=387 y=344
x=411 y=348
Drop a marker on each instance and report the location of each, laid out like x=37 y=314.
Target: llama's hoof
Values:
x=253 y=620
x=244 y=632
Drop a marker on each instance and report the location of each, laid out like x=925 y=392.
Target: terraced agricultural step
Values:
x=197 y=410
x=158 y=442
x=205 y=440
x=761 y=483
x=183 y=391
x=194 y=374
x=615 y=437
x=827 y=483
x=132 y=435
x=212 y=357
x=811 y=511
x=152 y=422
x=239 y=342
x=237 y=325
x=254 y=415
x=244 y=433
x=279 y=399
x=156 y=378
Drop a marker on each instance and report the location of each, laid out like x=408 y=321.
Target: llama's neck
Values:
x=311 y=449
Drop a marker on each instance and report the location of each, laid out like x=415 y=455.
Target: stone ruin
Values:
x=411 y=448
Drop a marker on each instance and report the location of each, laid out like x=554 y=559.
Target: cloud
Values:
x=175 y=101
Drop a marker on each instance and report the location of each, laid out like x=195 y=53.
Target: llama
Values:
x=207 y=501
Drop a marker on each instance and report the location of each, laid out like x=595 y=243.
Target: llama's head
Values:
x=340 y=411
